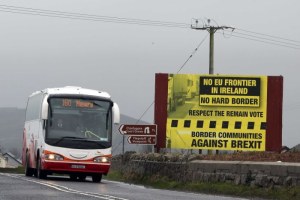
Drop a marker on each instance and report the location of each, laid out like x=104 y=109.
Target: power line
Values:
x=249 y=35
x=192 y=53
x=259 y=40
x=144 y=113
x=109 y=19
x=196 y=49
x=267 y=35
x=264 y=39
x=152 y=103
x=88 y=17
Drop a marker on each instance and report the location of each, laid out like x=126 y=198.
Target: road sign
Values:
x=141 y=130
x=142 y=139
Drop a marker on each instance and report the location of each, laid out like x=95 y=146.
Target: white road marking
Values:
x=65 y=189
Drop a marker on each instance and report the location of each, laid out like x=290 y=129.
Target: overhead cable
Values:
x=250 y=35
x=264 y=39
x=252 y=32
x=80 y=16
x=195 y=50
x=192 y=53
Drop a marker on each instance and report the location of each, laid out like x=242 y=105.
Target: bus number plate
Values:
x=78 y=166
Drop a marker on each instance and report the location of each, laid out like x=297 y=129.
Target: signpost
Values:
x=139 y=134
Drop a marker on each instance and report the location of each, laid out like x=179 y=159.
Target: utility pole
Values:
x=211 y=49
x=211 y=30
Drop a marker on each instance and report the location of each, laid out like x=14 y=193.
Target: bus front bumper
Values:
x=74 y=167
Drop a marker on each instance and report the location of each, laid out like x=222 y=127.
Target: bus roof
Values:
x=73 y=90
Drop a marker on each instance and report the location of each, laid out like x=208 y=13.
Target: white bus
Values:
x=68 y=130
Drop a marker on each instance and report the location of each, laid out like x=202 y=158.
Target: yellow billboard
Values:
x=217 y=112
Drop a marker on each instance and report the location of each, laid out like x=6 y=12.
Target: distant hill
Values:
x=12 y=124
x=11 y=129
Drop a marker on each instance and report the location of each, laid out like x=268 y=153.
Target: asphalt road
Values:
x=14 y=187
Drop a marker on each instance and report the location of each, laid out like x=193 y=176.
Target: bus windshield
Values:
x=79 y=123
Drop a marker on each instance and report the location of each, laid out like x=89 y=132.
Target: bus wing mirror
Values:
x=45 y=106
x=116 y=113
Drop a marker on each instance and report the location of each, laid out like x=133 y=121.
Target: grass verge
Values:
x=19 y=170
x=281 y=193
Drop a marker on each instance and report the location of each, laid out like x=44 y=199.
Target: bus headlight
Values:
x=53 y=156
x=102 y=159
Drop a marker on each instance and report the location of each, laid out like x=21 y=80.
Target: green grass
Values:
x=281 y=193
x=19 y=170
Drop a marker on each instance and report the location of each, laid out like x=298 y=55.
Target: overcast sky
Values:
x=38 y=52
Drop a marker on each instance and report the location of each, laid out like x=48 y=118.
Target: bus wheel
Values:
x=73 y=177
x=41 y=174
x=28 y=171
x=97 y=178
x=81 y=177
